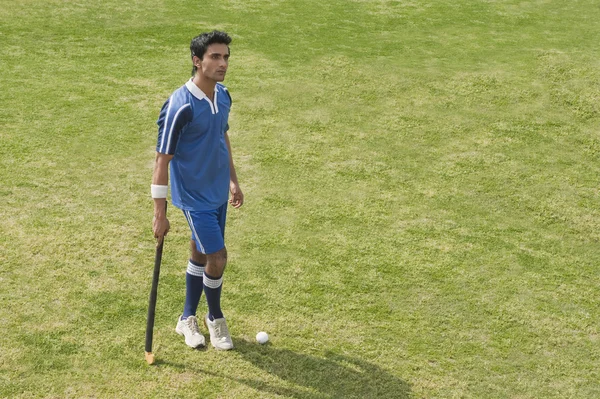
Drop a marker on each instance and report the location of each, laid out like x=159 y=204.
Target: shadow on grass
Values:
x=334 y=376
x=161 y=362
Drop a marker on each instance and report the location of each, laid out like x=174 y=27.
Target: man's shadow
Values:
x=334 y=376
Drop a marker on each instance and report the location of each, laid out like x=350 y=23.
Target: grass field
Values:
x=422 y=212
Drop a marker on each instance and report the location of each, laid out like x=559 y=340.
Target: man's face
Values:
x=214 y=63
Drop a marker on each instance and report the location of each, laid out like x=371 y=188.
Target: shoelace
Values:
x=221 y=330
x=192 y=324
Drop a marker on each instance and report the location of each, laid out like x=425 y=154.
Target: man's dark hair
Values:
x=201 y=42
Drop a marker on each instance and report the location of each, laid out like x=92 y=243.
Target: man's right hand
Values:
x=160 y=176
x=160 y=227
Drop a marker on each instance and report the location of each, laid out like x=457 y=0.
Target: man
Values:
x=193 y=140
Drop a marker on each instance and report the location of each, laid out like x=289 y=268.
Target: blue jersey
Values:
x=192 y=128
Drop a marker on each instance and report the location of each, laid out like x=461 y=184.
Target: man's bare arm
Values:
x=160 y=176
x=237 y=197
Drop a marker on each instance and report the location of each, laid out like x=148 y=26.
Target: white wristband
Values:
x=159 y=191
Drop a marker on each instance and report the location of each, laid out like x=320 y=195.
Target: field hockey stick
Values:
x=152 y=301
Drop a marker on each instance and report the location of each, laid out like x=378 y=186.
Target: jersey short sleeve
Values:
x=230 y=104
x=175 y=114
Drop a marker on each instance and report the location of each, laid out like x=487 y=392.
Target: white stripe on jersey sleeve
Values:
x=173 y=125
x=162 y=141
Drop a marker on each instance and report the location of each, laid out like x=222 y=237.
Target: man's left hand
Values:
x=237 y=197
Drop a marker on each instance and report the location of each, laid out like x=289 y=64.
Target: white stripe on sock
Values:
x=211 y=283
x=194 y=270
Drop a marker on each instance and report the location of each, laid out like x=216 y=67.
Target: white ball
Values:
x=262 y=337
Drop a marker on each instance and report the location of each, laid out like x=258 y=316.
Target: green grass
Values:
x=421 y=214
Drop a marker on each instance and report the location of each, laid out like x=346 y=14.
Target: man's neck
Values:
x=206 y=85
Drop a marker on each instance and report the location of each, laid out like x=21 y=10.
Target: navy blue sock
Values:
x=193 y=288
x=212 y=290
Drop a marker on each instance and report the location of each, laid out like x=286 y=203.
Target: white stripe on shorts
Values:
x=191 y=223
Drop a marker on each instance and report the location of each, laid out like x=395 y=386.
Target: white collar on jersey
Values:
x=196 y=91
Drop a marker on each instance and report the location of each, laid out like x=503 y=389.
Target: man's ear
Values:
x=197 y=61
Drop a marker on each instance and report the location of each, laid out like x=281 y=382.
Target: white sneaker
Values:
x=189 y=329
x=219 y=333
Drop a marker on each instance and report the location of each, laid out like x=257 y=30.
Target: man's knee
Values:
x=216 y=261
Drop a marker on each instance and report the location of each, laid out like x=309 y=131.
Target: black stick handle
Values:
x=153 y=293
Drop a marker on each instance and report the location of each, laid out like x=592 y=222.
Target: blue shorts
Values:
x=208 y=228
